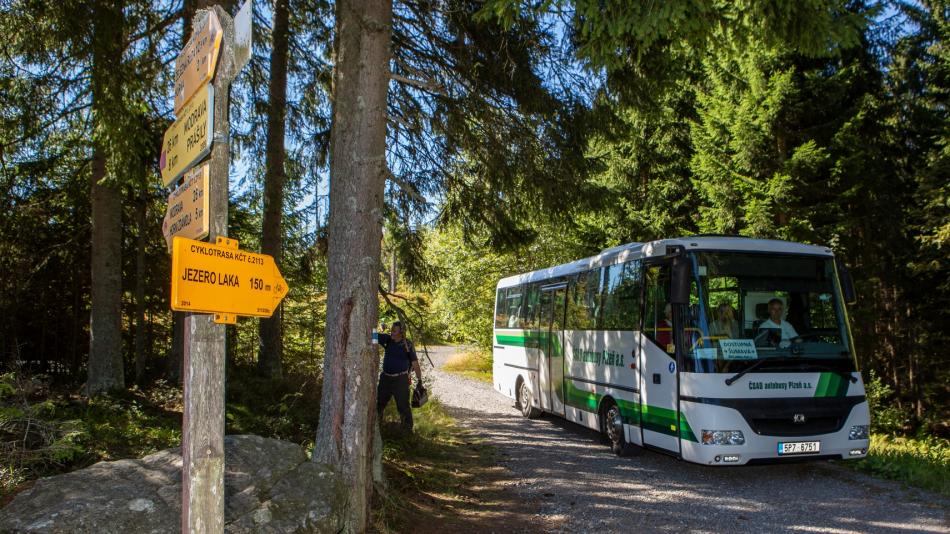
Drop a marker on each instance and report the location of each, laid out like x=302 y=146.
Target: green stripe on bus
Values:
x=831 y=385
x=686 y=432
x=653 y=418
x=578 y=398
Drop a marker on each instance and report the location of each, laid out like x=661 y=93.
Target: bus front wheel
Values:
x=524 y=401
x=612 y=424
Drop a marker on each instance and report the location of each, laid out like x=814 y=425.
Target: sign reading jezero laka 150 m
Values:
x=220 y=278
x=188 y=207
x=188 y=139
x=196 y=62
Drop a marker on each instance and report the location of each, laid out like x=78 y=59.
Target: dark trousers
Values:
x=394 y=386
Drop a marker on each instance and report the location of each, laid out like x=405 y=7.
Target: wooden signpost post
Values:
x=198 y=207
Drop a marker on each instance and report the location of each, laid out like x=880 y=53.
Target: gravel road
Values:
x=580 y=486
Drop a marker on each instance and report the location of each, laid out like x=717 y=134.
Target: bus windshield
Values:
x=745 y=307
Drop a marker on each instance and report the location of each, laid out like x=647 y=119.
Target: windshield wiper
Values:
x=740 y=374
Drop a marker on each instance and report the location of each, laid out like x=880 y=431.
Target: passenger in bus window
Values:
x=664 y=329
x=775 y=329
x=725 y=324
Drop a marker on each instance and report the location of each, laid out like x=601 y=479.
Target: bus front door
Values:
x=659 y=397
x=551 y=343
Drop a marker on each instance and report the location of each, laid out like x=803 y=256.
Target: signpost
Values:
x=188 y=139
x=196 y=63
x=216 y=279
x=188 y=207
x=224 y=280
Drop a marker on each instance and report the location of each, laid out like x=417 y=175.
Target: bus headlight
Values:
x=723 y=437
x=858 y=432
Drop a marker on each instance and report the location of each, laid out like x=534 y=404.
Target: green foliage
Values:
x=464 y=298
x=285 y=408
x=923 y=462
x=886 y=417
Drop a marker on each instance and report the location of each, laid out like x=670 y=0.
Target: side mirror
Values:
x=680 y=282
x=847 y=284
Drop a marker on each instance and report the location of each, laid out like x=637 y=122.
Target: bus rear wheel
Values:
x=524 y=401
x=612 y=424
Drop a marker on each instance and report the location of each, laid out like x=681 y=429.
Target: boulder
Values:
x=270 y=486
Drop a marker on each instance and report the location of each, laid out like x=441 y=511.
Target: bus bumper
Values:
x=760 y=448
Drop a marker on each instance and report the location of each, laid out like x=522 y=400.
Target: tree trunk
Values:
x=105 y=330
x=140 y=223
x=357 y=166
x=271 y=345
x=392 y=270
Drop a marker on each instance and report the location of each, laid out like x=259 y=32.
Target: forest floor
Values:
x=570 y=482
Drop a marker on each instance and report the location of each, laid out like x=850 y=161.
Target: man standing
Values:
x=394 y=380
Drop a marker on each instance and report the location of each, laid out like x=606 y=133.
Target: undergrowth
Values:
x=921 y=462
x=472 y=363
x=46 y=432
x=426 y=470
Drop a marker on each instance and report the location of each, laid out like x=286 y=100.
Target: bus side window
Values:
x=657 y=323
x=501 y=309
x=530 y=306
x=622 y=296
x=579 y=313
x=630 y=295
x=514 y=306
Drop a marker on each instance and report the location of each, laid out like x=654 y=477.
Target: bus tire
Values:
x=611 y=423
x=524 y=400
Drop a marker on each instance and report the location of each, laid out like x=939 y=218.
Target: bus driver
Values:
x=777 y=328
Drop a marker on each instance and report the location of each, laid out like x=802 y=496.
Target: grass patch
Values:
x=428 y=472
x=924 y=463
x=471 y=363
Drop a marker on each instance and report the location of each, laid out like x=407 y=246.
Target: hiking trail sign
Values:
x=188 y=139
x=196 y=62
x=188 y=207
x=223 y=280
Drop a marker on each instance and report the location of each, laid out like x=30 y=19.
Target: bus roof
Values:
x=658 y=248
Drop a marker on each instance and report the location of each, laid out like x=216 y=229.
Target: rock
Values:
x=270 y=486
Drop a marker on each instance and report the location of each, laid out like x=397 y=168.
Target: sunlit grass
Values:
x=471 y=363
x=924 y=463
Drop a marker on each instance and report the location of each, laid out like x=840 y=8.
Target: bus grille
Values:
x=784 y=426
x=776 y=417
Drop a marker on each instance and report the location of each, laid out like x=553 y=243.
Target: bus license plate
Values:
x=799 y=447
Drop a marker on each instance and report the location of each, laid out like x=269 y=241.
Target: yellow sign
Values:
x=187 y=212
x=196 y=62
x=223 y=280
x=188 y=139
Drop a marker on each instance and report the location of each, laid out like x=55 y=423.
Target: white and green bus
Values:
x=719 y=350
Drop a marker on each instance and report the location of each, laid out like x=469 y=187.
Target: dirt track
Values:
x=577 y=485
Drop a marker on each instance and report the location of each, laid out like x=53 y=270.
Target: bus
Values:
x=717 y=350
